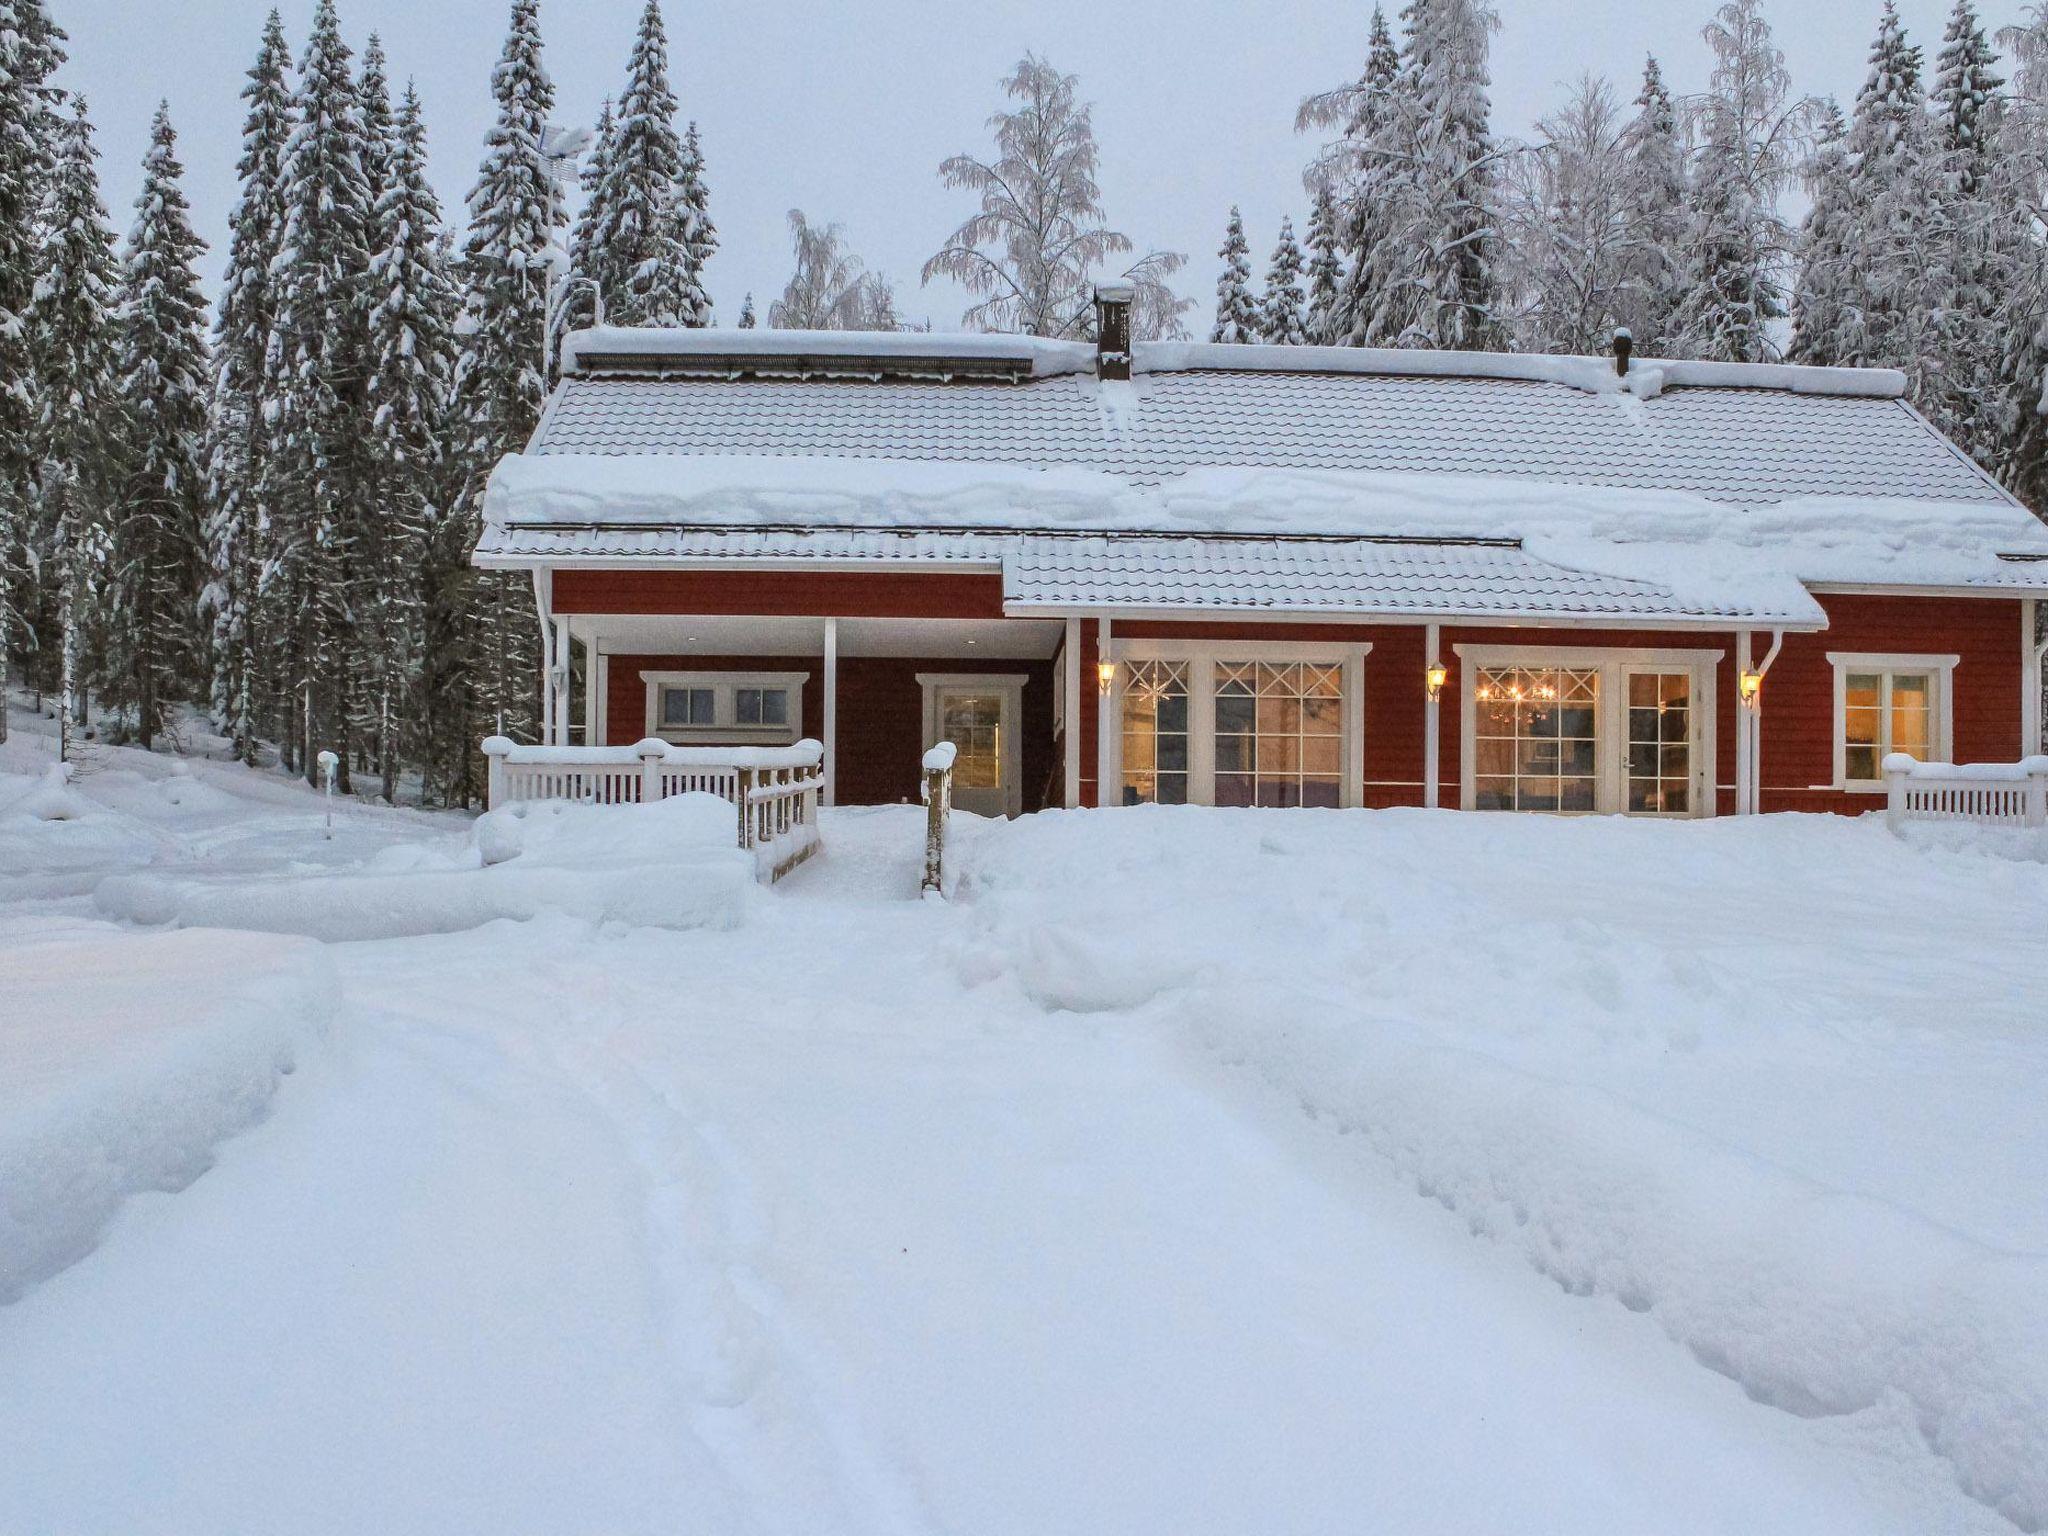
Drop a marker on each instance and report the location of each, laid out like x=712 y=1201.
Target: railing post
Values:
x=2037 y=791
x=937 y=790
x=1897 y=769
x=651 y=750
x=497 y=749
x=746 y=795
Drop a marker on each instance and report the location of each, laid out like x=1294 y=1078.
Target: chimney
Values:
x=1624 y=344
x=1113 y=330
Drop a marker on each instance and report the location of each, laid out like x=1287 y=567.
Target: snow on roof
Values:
x=918 y=352
x=1746 y=446
x=1711 y=556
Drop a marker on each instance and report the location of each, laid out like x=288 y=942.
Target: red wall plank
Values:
x=819 y=594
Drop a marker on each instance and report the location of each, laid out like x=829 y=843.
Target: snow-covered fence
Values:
x=938 y=800
x=2011 y=794
x=774 y=790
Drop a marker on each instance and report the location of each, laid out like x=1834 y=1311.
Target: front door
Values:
x=980 y=719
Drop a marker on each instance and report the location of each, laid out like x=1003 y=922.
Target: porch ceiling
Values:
x=730 y=635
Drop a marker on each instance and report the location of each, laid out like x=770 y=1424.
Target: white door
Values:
x=979 y=716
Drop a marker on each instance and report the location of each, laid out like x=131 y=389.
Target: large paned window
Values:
x=745 y=707
x=1279 y=733
x=1535 y=738
x=1659 y=743
x=1237 y=722
x=1571 y=729
x=1886 y=704
x=1156 y=733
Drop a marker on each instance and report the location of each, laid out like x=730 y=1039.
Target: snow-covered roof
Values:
x=1744 y=445
x=1352 y=576
x=1712 y=489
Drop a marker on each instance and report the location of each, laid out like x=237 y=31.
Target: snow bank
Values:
x=125 y=1059
x=672 y=864
x=1688 y=1067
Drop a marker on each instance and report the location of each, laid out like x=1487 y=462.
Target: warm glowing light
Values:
x=1752 y=685
x=1433 y=677
x=1105 y=675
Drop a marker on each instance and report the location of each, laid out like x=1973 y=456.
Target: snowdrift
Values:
x=1692 y=1068
x=672 y=864
x=125 y=1060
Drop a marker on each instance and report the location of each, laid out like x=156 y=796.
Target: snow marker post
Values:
x=328 y=763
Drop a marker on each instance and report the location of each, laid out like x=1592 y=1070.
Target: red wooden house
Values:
x=1269 y=576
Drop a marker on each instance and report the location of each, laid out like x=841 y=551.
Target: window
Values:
x=1279 y=733
x=1235 y=723
x=740 y=708
x=1659 y=743
x=973 y=722
x=760 y=706
x=1580 y=728
x=1536 y=738
x=1156 y=733
x=1886 y=704
x=689 y=706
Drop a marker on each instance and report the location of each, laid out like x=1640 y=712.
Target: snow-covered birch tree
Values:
x=830 y=289
x=1039 y=240
x=1752 y=134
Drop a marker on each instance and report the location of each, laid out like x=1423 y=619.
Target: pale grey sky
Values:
x=846 y=110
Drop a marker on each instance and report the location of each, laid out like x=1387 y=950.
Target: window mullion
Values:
x=1202 y=729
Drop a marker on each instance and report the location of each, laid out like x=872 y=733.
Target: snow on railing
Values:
x=938 y=799
x=774 y=790
x=2010 y=794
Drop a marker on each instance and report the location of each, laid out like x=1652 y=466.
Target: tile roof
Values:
x=1250 y=576
x=1737 y=446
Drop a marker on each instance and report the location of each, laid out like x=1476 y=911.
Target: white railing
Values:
x=2008 y=794
x=774 y=790
x=937 y=789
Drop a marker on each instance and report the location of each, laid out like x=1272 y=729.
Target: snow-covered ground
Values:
x=1187 y=1172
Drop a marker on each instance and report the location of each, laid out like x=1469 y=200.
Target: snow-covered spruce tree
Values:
x=30 y=50
x=698 y=236
x=1752 y=136
x=1572 y=256
x=1237 y=316
x=747 y=320
x=1325 y=269
x=1657 y=203
x=235 y=435
x=153 y=651
x=2019 y=200
x=1356 y=170
x=586 y=257
x=1893 y=244
x=1038 y=242
x=316 y=485
x=373 y=91
x=1960 y=392
x=830 y=289
x=1452 y=223
x=76 y=438
x=633 y=239
x=1281 y=315
x=412 y=365
x=1825 y=285
x=516 y=215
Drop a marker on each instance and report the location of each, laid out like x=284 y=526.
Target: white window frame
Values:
x=1202 y=656
x=1615 y=664
x=1940 y=669
x=725 y=726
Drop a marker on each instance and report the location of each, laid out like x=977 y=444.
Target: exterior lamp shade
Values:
x=1752 y=686
x=1433 y=677
x=1105 y=675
